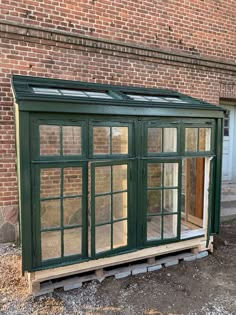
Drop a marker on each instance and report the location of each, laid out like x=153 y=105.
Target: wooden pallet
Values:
x=45 y=281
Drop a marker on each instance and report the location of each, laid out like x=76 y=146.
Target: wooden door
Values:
x=195 y=168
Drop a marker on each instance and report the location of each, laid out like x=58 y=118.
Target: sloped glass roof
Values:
x=111 y=98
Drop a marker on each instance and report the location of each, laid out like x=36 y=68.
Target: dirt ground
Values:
x=206 y=286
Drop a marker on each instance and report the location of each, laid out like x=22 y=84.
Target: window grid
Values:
x=162 y=188
x=112 y=221
x=61 y=198
x=198 y=149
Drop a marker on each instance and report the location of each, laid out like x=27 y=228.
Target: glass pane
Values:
x=102 y=179
x=204 y=139
x=226 y=124
x=71 y=140
x=72 y=211
x=154 y=173
x=119 y=206
x=153 y=201
x=72 y=181
x=101 y=140
x=119 y=140
x=103 y=238
x=153 y=228
x=52 y=91
x=191 y=135
x=72 y=241
x=170 y=140
x=119 y=234
x=170 y=174
x=170 y=200
x=154 y=140
x=49 y=140
x=102 y=209
x=119 y=177
x=50 y=212
x=50 y=182
x=170 y=226
x=50 y=244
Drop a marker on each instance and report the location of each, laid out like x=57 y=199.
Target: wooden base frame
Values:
x=39 y=281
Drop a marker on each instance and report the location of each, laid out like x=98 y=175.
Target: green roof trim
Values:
x=31 y=90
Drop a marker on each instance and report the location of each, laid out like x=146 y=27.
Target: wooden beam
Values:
x=54 y=273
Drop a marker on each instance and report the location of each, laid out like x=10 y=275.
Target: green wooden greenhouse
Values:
x=110 y=175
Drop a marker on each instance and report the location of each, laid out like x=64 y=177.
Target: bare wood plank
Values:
x=200 y=170
x=99 y=273
x=53 y=273
x=151 y=260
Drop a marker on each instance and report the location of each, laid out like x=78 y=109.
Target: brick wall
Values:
x=205 y=27
x=185 y=46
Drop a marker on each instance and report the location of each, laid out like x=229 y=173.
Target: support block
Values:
x=154 y=268
x=99 y=273
x=124 y=274
x=190 y=258
x=151 y=261
x=202 y=254
x=137 y=271
x=195 y=250
x=72 y=286
x=171 y=263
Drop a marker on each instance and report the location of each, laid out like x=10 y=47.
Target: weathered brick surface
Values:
x=203 y=29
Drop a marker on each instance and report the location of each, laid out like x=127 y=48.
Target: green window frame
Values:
x=198 y=126
x=38 y=121
x=162 y=125
x=61 y=228
x=162 y=188
x=111 y=193
x=110 y=124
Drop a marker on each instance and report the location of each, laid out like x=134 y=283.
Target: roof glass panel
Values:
x=174 y=100
x=73 y=93
x=156 y=99
x=152 y=98
x=98 y=94
x=46 y=91
x=67 y=92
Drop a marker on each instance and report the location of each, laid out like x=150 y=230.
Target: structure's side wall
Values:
x=204 y=29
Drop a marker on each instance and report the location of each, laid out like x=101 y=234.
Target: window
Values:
x=152 y=98
x=161 y=140
x=226 y=123
x=67 y=92
x=110 y=207
x=60 y=140
x=61 y=211
x=197 y=139
x=162 y=200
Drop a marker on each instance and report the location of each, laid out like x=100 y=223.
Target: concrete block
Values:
x=123 y=274
x=202 y=254
x=139 y=270
x=171 y=263
x=73 y=286
x=190 y=258
x=154 y=268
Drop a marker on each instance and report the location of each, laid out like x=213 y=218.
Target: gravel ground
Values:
x=203 y=287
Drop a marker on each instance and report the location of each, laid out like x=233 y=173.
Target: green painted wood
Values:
x=137 y=159
x=26 y=197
